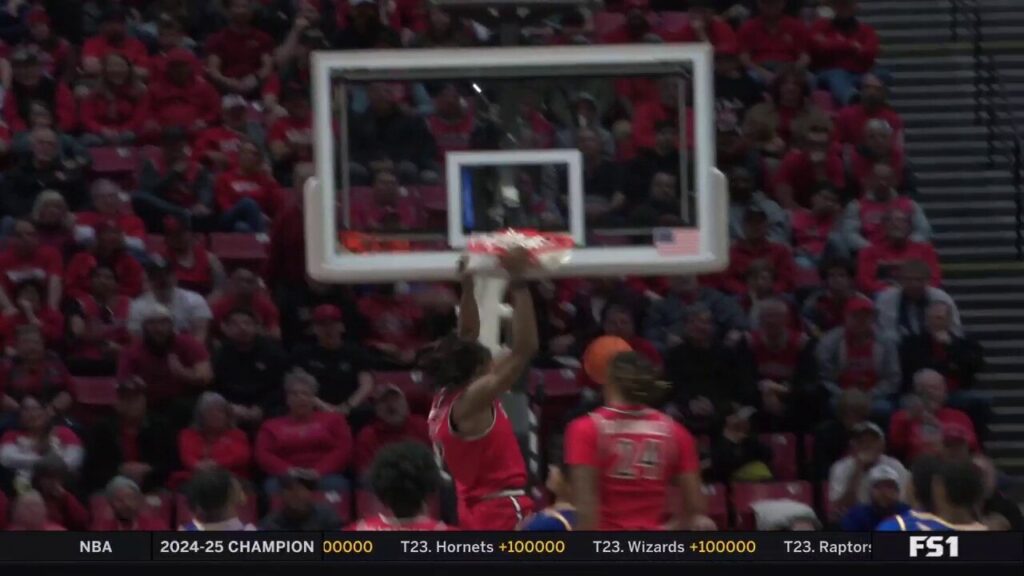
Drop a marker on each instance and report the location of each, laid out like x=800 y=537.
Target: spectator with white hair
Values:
x=873 y=105
x=304 y=439
x=878 y=144
x=927 y=423
x=127 y=507
x=903 y=308
x=862 y=222
x=214 y=440
x=108 y=204
x=851 y=479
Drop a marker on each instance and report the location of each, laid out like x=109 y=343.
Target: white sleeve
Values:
x=198 y=309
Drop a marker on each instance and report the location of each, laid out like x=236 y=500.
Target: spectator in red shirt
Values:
x=648 y=114
x=50 y=476
x=173 y=184
x=247 y=196
x=857 y=355
x=25 y=259
x=291 y=138
x=97 y=325
x=240 y=57
x=114 y=39
x=454 y=123
x=843 y=48
x=182 y=98
x=32 y=371
x=213 y=440
x=245 y=291
x=825 y=309
x=756 y=246
x=304 y=439
x=57 y=55
x=704 y=26
x=174 y=367
x=31 y=85
x=195 y=268
x=877 y=264
x=878 y=145
x=772 y=39
x=115 y=113
x=128 y=511
x=218 y=145
x=393 y=424
x=873 y=105
x=396 y=325
x=31 y=312
x=169 y=35
x=109 y=205
x=28 y=513
x=928 y=421
x=815 y=230
x=862 y=220
x=110 y=252
x=804 y=169
x=389 y=208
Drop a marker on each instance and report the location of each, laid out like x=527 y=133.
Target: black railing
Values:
x=992 y=106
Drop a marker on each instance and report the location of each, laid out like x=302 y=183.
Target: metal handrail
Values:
x=992 y=106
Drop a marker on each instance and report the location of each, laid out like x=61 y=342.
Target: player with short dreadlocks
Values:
x=625 y=456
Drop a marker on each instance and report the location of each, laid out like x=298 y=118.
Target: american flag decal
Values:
x=677 y=241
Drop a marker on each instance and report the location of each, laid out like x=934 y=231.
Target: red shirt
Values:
x=392 y=320
x=230 y=450
x=161 y=385
x=45 y=381
x=52 y=327
x=718 y=31
x=785 y=43
x=132 y=49
x=379 y=434
x=797 y=172
x=646 y=117
x=777 y=364
x=451 y=136
x=295 y=132
x=810 y=233
x=854 y=51
x=381 y=523
x=241 y=51
x=480 y=466
x=743 y=254
x=859 y=369
x=199 y=276
x=127 y=270
x=130 y=224
x=67 y=511
x=872 y=214
x=877 y=264
x=64 y=106
x=262 y=306
x=38 y=266
x=125 y=110
x=861 y=167
x=111 y=324
x=233 y=185
x=637 y=89
x=637 y=454
x=851 y=120
x=219 y=139
x=371 y=215
x=322 y=443
x=181 y=106
x=910 y=438
x=640 y=345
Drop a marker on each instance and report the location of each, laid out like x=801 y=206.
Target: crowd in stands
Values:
x=144 y=141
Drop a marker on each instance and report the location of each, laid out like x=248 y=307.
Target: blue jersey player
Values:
x=560 y=516
x=945 y=495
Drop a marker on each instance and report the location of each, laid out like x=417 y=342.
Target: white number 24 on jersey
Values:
x=637 y=459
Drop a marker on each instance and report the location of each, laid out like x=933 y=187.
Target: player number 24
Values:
x=637 y=459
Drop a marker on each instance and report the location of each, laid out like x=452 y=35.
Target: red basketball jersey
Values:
x=637 y=453
x=481 y=466
x=381 y=523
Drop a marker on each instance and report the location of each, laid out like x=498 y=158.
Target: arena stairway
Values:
x=968 y=198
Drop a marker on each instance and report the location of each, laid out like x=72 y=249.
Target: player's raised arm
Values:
x=469 y=311
x=472 y=411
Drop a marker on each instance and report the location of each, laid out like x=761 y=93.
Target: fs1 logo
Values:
x=935 y=546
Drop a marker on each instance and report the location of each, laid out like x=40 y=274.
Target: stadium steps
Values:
x=968 y=197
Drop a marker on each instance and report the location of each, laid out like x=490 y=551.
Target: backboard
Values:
x=480 y=185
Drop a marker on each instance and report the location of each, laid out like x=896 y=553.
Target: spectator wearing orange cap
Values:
x=878 y=263
x=114 y=38
x=340 y=366
x=116 y=112
x=772 y=40
x=56 y=54
x=843 y=48
x=181 y=97
x=392 y=424
x=927 y=424
x=239 y=57
x=857 y=355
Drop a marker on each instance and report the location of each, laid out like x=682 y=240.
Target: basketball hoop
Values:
x=549 y=250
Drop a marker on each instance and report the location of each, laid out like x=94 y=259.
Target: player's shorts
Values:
x=496 y=513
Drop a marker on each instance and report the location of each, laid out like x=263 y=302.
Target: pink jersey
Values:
x=482 y=466
x=382 y=523
x=637 y=453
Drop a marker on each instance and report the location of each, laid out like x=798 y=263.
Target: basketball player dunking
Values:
x=468 y=425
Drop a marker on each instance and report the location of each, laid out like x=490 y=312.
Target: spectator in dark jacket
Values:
x=385 y=131
x=44 y=169
x=174 y=184
x=737 y=454
x=299 y=509
x=340 y=366
x=902 y=309
x=666 y=318
x=997 y=507
x=248 y=367
x=824 y=309
x=133 y=443
x=365 y=28
x=832 y=437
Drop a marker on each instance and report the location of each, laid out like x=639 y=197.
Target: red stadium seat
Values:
x=784 y=461
x=340 y=502
x=95 y=392
x=745 y=494
x=417 y=393
x=367 y=505
x=249 y=513
x=556 y=382
x=160 y=508
x=238 y=249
